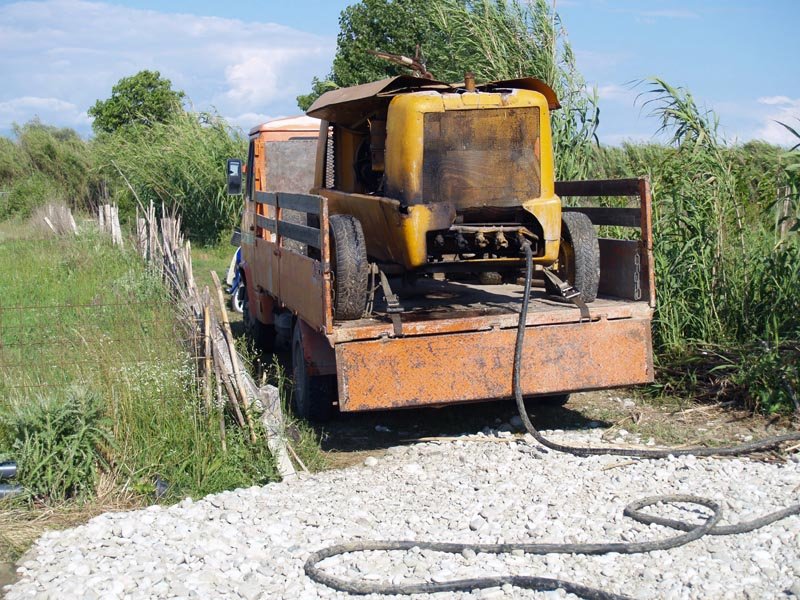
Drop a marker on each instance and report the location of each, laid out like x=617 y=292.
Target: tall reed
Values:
x=179 y=163
x=508 y=40
x=727 y=318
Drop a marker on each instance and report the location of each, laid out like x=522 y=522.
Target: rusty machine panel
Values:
x=477 y=158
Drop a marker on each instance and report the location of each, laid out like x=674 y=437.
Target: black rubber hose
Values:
x=633 y=511
x=532 y=583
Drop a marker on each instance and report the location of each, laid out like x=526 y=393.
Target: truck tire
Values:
x=237 y=299
x=313 y=396
x=578 y=256
x=350 y=267
x=263 y=336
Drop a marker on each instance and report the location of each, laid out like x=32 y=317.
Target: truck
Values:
x=382 y=241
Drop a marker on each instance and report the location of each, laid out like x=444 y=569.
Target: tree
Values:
x=494 y=39
x=318 y=87
x=144 y=98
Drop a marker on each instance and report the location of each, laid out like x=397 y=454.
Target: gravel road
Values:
x=252 y=543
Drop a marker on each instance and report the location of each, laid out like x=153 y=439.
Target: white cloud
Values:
x=48 y=110
x=782 y=110
x=773 y=100
x=247 y=120
x=617 y=93
x=73 y=51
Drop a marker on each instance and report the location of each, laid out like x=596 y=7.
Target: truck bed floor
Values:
x=432 y=306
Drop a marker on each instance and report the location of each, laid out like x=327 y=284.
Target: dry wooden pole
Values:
x=72 y=223
x=232 y=397
x=297 y=458
x=207 y=355
x=116 y=230
x=221 y=409
x=141 y=236
x=234 y=356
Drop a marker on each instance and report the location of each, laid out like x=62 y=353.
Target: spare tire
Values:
x=578 y=256
x=350 y=267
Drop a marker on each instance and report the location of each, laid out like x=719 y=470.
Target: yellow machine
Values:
x=449 y=178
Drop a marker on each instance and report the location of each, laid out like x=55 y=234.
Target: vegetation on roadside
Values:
x=42 y=165
x=180 y=164
x=97 y=383
x=148 y=148
x=728 y=313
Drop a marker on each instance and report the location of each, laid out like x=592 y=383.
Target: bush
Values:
x=27 y=194
x=57 y=442
x=44 y=164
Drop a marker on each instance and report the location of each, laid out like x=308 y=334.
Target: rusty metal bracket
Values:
x=569 y=292
x=393 y=307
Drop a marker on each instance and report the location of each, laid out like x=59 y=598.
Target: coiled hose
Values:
x=633 y=510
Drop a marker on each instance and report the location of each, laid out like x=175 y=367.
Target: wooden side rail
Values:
x=303 y=203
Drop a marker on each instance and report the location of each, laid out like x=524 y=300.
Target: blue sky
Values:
x=249 y=60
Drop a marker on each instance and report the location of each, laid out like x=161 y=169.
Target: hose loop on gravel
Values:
x=632 y=510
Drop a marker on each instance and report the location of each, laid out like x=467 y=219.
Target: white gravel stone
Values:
x=252 y=543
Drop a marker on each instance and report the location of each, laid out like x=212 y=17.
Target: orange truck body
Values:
x=456 y=339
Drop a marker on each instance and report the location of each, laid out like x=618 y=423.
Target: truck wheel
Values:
x=263 y=336
x=350 y=267
x=313 y=395
x=578 y=256
x=237 y=299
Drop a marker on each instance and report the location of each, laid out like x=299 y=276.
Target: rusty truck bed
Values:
x=457 y=345
x=434 y=307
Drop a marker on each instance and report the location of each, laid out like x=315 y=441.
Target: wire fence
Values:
x=133 y=344
x=60 y=345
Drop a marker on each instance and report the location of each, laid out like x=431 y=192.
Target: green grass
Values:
x=211 y=258
x=81 y=319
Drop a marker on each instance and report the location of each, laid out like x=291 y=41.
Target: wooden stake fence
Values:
x=161 y=244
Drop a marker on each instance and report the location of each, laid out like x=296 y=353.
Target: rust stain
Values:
x=466 y=367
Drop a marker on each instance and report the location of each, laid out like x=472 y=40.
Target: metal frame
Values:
x=640 y=217
x=303 y=282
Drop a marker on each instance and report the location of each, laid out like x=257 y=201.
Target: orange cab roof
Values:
x=300 y=123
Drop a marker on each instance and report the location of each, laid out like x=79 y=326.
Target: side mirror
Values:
x=234 y=176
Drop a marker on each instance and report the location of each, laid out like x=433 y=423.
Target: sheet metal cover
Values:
x=366 y=93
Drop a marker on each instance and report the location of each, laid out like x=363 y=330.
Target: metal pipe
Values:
x=469 y=81
x=493 y=229
x=8 y=489
x=8 y=470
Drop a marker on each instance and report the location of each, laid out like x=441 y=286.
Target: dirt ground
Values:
x=352 y=437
